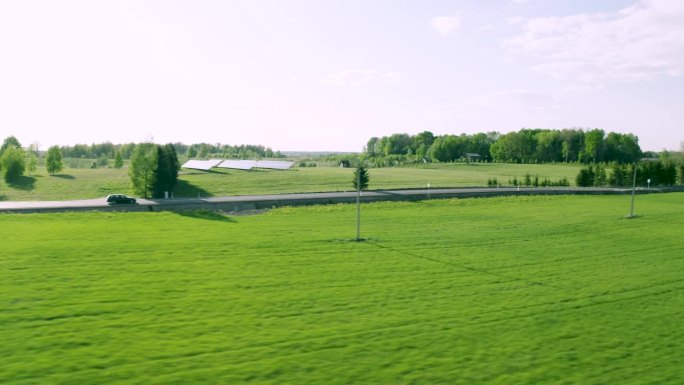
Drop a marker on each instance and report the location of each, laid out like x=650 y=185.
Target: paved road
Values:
x=247 y=202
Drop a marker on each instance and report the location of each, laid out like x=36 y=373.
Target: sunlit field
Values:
x=521 y=290
x=80 y=183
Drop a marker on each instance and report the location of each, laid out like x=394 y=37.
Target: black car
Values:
x=119 y=198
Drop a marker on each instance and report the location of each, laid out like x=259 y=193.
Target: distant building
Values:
x=471 y=156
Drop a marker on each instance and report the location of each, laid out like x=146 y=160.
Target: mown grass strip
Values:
x=524 y=290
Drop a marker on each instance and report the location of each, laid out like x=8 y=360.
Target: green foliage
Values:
x=600 y=178
x=31 y=162
x=528 y=179
x=592 y=175
x=13 y=163
x=361 y=178
x=585 y=177
x=166 y=171
x=142 y=169
x=525 y=291
x=622 y=148
x=516 y=147
x=620 y=176
x=53 y=160
x=9 y=141
x=593 y=146
x=660 y=173
x=108 y=150
x=524 y=146
x=102 y=161
x=118 y=160
x=87 y=183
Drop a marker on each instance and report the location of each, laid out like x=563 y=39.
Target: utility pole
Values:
x=358 y=206
x=631 y=209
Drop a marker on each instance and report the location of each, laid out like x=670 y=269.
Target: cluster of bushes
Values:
x=529 y=181
x=395 y=160
x=15 y=160
x=660 y=173
x=305 y=164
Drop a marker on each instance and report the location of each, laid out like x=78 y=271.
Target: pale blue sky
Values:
x=328 y=75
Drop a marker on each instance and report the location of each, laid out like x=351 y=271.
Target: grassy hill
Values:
x=524 y=290
x=84 y=183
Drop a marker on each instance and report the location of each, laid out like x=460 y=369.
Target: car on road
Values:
x=119 y=198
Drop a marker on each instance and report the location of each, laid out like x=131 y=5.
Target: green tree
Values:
x=585 y=177
x=191 y=152
x=518 y=147
x=421 y=142
x=166 y=172
x=573 y=142
x=372 y=147
x=619 y=176
x=594 y=146
x=31 y=162
x=13 y=163
x=118 y=160
x=360 y=182
x=623 y=148
x=549 y=146
x=600 y=178
x=361 y=178
x=9 y=142
x=53 y=160
x=142 y=168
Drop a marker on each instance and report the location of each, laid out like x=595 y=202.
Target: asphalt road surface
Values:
x=275 y=200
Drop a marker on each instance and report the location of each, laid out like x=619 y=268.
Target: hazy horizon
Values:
x=325 y=76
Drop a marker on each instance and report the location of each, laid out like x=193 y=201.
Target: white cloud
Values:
x=641 y=42
x=512 y=100
x=355 y=78
x=444 y=25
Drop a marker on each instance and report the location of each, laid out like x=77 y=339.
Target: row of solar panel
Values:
x=237 y=164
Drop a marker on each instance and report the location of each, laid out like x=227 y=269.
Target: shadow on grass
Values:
x=185 y=189
x=3 y=197
x=23 y=182
x=63 y=176
x=207 y=215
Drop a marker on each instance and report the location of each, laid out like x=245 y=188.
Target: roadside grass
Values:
x=517 y=290
x=318 y=179
x=86 y=183
x=71 y=183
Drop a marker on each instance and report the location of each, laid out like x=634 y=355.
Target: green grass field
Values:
x=79 y=183
x=523 y=290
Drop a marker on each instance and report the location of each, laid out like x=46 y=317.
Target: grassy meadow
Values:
x=518 y=290
x=85 y=183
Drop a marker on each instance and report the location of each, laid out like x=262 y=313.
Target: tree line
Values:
x=523 y=146
x=108 y=150
x=648 y=173
x=153 y=168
